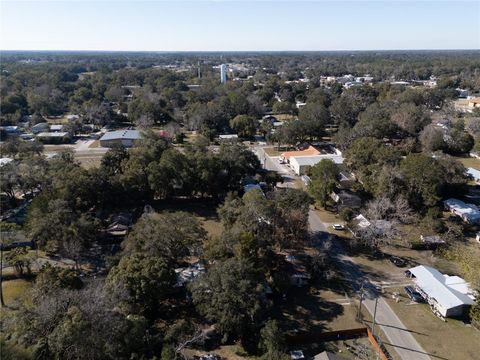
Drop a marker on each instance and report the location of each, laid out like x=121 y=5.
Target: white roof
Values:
x=467 y=211
x=5 y=161
x=122 y=135
x=228 y=136
x=474 y=173
x=53 y=134
x=312 y=160
x=56 y=127
x=362 y=221
x=448 y=291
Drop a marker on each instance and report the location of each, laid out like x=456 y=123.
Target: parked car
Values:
x=398 y=261
x=297 y=355
x=338 y=227
x=413 y=294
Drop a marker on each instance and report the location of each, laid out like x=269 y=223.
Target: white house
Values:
x=449 y=296
x=468 y=212
x=474 y=174
x=300 y=164
x=228 y=137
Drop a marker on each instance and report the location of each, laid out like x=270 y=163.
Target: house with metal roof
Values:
x=300 y=164
x=120 y=137
x=54 y=137
x=468 y=212
x=474 y=174
x=449 y=296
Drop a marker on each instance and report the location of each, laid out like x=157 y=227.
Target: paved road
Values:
x=396 y=332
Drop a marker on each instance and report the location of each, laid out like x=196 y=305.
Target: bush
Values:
x=346 y=214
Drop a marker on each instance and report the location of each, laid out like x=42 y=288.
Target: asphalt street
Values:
x=396 y=332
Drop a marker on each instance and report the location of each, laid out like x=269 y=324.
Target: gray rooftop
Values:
x=448 y=291
x=122 y=135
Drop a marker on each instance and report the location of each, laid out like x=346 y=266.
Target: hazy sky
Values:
x=239 y=25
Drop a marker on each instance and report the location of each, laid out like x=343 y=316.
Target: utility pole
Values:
x=359 y=314
x=2 y=302
x=374 y=316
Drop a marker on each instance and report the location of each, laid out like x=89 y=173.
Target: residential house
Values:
x=54 y=137
x=346 y=199
x=474 y=174
x=119 y=225
x=449 y=296
x=11 y=130
x=228 y=138
x=40 y=127
x=299 y=276
x=468 y=212
x=185 y=275
x=5 y=160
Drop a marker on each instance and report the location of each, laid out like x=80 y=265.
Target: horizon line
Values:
x=236 y=51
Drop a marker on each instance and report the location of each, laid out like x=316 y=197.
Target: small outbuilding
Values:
x=431 y=241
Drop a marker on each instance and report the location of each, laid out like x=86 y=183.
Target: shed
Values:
x=432 y=240
x=120 y=137
x=450 y=296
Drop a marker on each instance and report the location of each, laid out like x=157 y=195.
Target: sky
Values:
x=129 y=25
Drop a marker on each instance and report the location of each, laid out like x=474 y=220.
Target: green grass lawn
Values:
x=469 y=162
x=14 y=289
x=449 y=340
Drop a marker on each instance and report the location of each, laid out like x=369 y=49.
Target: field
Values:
x=469 y=162
x=14 y=289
